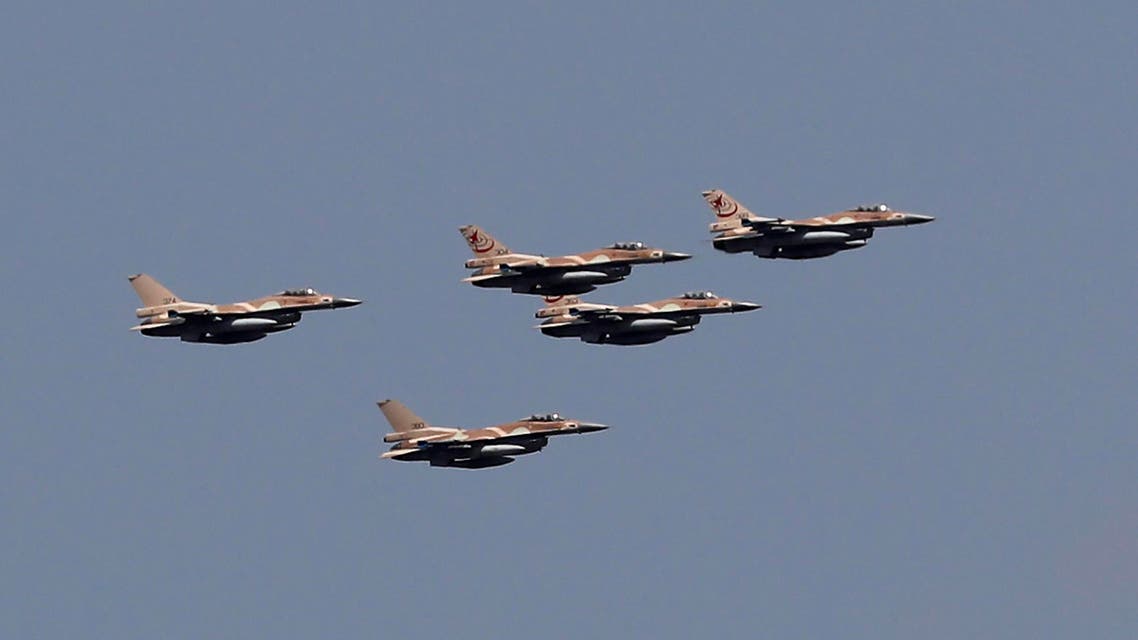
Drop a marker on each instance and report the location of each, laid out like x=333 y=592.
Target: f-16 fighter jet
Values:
x=637 y=324
x=417 y=441
x=738 y=230
x=497 y=267
x=164 y=314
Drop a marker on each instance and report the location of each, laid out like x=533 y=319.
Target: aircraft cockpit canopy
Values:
x=628 y=246
x=307 y=291
x=545 y=417
x=699 y=295
x=880 y=207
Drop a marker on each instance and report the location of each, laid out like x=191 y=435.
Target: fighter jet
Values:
x=165 y=315
x=633 y=325
x=495 y=266
x=417 y=441
x=738 y=230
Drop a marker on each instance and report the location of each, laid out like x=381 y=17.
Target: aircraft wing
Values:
x=428 y=445
x=598 y=315
x=213 y=315
x=780 y=225
x=196 y=314
x=534 y=267
x=172 y=322
x=395 y=453
x=771 y=225
x=453 y=443
x=613 y=314
x=516 y=268
x=199 y=317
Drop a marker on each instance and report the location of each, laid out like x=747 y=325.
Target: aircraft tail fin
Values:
x=556 y=306
x=482 y=243
x=406 y=425
x=400 y=417
x=729 y=212
x=561 y=301
x=151 y=292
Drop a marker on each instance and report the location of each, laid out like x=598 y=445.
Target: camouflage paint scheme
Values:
x=646 y=323
x=164 y=314
x=417 y=441
x=738 y=230
x=495 y=266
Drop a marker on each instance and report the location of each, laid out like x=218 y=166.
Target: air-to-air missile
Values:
x=164 y=314
x=569 y=317
x=738 y=230
x=416 y=441
x=495 y=266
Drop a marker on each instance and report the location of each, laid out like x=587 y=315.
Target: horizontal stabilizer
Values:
x=395 y=453
x=155 y=325
x=550 y=325
x=481 y=277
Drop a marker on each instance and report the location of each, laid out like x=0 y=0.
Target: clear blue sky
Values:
x=930 y=437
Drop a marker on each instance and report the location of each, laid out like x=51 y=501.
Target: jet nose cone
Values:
x=589 y=427
x=341 y=303
x=916 y=218
x=675 y=256
x=745 y=306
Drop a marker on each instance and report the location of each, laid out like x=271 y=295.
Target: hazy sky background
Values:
x=930 y=437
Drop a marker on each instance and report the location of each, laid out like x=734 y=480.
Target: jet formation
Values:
x=496 y=266
x=740 y=231
x=560 y=280
x=645 y=323
x=417 y=441
x=166 y=315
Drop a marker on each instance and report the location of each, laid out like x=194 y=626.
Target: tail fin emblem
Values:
x=479 y=243
x=719 y=204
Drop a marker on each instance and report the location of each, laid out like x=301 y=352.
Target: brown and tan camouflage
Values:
x=738 y=230
x=416 y=441
x=496 y=266
x=164 y=314
x=639 y=324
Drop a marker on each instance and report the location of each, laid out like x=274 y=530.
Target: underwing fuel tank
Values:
x=581 y=277
x=242 y=325
x=811 y=237
x=476 y=463
x=503 y=450
x=649 y=324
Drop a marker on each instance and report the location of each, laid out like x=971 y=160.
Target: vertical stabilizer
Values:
x=561 y=301
x=729 y=212
x=481 y=243
x=558 y=306
x=151 y=292
x=400 y=417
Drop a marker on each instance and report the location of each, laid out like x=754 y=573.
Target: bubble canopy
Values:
x=628 y=246
x=306 y=291
x=545 y=417
x=880 y=207
x=699 y=295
